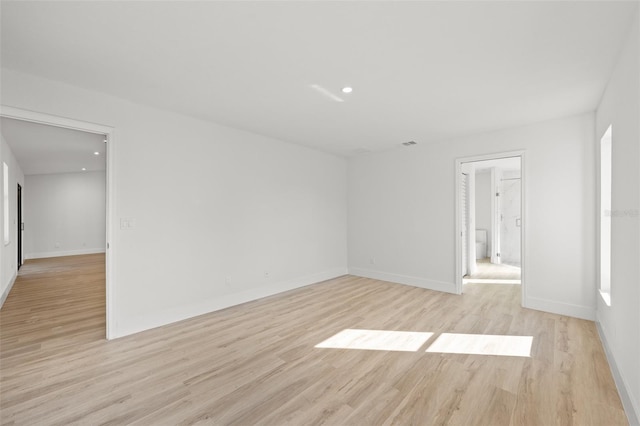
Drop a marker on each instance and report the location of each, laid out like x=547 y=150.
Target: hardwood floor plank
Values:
x=258 y=364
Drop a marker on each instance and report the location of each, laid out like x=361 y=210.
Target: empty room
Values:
x=309 y=212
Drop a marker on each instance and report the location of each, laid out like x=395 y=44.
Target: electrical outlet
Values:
x=57 y=245
x=266 y=274
x=227 y=280
x=372 y=260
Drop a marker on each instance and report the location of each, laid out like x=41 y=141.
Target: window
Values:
x=5 y=202
x=605 y=216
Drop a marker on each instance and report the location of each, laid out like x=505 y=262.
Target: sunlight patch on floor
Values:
x=412 y=341
x=482 y=344
x=377 y=340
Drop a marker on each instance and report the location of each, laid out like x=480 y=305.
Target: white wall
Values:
x=483 y=204
x=64 y=214
x=9 y=253
x=620 y=323
x=402 y=212
x=209 y=203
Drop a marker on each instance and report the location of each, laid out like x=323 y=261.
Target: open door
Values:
x=496 y=214
x=464 y=224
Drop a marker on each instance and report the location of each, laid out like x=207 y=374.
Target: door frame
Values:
x=109 y=131
x=458 y=212
x=19 y=220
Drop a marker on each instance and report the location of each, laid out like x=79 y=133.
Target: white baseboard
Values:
x=5 y=293
x=158 y=319
x=560 y=308
x=631 y=408
x=405 y=279
x=42 y=255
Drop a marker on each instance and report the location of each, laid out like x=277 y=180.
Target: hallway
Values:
x=48 y=309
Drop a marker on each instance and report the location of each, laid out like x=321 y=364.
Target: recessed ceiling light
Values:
x=96 y=153
x=347 y=89
x=84 y=169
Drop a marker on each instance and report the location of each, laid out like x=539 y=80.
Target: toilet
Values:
x=481 y=243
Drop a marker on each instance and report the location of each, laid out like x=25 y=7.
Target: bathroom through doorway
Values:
x=490 y=220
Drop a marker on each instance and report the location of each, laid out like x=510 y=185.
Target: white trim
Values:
x=53 y=120
x=404 y=279
x=5 y=294
x=458 y=229
x=606 y=297
x=68 y=123
x=46 y=254
x=523 y=222
x=560 y=308
x=523 y=232
x=157 y=319
x=631 y=409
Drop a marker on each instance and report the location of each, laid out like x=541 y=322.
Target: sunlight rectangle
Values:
x=482 y=344
x=377 y=340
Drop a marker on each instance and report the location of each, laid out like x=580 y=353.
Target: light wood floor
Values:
x=488 y=270
x=257 y=363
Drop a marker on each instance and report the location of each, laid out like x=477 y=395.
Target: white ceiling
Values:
x=42 y=149
x=421 y=71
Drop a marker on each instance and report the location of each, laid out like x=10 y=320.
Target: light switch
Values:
x=126 y=223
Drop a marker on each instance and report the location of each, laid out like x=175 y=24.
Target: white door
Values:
x=510 y=220
x=496 y=211
x=464 y=213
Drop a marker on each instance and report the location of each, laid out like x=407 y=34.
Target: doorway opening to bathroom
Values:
x=490 y=222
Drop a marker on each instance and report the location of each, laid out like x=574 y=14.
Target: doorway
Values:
x=20 y=226
x=490 y=224
x=109 y=211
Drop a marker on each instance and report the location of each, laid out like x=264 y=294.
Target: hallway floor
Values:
x=492 y=273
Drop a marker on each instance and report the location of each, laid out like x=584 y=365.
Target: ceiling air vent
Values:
x=409 y=143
